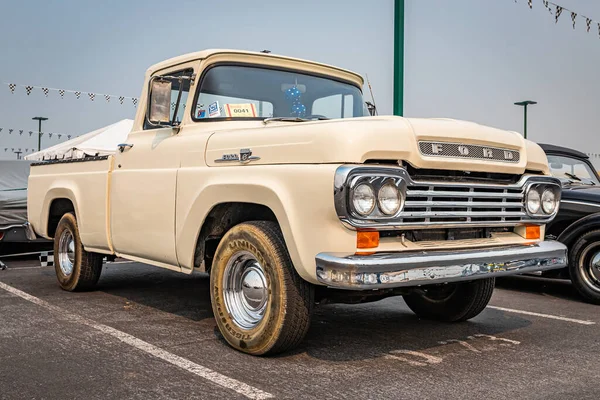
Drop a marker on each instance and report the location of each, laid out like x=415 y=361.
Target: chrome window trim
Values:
x=345 y=174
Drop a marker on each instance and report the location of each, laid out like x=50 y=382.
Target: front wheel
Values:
x=584 y=266
x=261 y=305
x=76 y=269
x=452 y=302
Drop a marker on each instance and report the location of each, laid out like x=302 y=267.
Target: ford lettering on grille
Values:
x=457 y=150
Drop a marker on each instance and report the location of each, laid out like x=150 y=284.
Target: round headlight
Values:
x=533 y=201
x=363 y=199
x=389 y=199
x=549 y=201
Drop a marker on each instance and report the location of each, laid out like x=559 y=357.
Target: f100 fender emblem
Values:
x=244 y=156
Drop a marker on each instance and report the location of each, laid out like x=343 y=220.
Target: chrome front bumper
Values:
x=405 y=269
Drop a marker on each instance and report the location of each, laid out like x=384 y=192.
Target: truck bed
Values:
x=83 y=179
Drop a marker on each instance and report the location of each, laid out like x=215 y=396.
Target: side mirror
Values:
x=371 y=107
x=159 y=112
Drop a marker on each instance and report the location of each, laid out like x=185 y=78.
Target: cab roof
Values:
x=553 y=149
x=210 y=52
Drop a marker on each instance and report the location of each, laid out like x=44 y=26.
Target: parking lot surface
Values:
x=149 y=333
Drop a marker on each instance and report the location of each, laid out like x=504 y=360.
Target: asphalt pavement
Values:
x=149 y=333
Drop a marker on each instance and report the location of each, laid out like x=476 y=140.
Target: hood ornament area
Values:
x=244 y=157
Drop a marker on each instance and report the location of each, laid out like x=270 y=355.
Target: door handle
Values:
x=124 y=146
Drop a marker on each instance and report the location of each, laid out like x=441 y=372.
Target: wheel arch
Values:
x=218 y=208
x=578 y=228
x=58 y=202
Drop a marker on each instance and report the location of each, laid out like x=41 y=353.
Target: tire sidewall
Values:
x=576 y=259
x=68 y=282
x=262 y=337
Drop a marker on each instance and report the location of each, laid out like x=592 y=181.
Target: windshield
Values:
x=253 y=92
x=573 y=170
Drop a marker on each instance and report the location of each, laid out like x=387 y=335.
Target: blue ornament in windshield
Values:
x=293 y=94
x=298 y=109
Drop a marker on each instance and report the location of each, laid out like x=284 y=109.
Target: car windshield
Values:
x=573 y=170
x=230 y=91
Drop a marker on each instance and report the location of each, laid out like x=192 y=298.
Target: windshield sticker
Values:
x=240 y=110
x=201 y=113
x=214 y=110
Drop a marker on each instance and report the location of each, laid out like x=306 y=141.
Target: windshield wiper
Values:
x=293 y=119
x=573 y=176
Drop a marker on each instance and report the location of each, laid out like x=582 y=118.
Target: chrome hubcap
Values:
x=245 y=290
x=66 y=252
x=589 y=266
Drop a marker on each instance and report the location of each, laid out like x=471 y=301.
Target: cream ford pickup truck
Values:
x=267 y=173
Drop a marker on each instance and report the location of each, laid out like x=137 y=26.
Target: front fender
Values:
x=300 y=197
x=578 y=228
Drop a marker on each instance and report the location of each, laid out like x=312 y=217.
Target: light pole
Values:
x=525 y=103
x=40 y=119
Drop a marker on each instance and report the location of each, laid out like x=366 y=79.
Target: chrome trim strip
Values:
x=582 y=203
x=407 y=269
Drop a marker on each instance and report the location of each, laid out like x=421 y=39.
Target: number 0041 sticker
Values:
x=240 y=110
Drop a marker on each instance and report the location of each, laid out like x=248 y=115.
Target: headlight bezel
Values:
x=376 y=181
x=541 y=188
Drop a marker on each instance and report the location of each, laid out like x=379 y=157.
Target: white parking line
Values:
x=206 y=373
x=576 y=321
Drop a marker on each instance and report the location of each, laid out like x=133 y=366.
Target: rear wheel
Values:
x=261 y=305
x=76 y=269
x=452 y=302
x=584 y=266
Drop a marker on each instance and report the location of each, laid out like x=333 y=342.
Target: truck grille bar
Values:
x=442 y=204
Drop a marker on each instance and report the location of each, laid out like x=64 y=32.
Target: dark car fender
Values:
x=578 y=228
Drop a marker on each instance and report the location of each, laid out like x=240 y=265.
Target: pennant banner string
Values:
x=557 y=10
x=46 y=91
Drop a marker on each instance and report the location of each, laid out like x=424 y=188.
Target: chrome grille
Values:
x=457 y=150
x=430 y=204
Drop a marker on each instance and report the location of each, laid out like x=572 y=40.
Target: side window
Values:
x=185 y=91
x=335 y=106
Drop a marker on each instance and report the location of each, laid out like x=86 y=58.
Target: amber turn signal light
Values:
x=532 y=232
x=367 y=240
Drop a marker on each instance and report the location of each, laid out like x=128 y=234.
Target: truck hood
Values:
x=357 y=140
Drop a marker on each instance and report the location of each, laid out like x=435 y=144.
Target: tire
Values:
x=274 y=315
x=452 y=302
x=584 y=254
x=76 y=270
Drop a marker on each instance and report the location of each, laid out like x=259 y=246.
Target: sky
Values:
x=464 y=59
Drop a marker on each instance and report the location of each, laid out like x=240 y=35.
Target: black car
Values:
x=577 y=224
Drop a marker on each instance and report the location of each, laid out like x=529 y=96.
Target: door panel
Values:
x=142 y=196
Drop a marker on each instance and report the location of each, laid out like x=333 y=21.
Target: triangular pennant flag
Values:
x=59 y=135
x=134 y=101
x=78 y=94
x=573 y=18
x=62 y=93
x=10 y=131
x=45 y=90
x=530 y=3
x=1 y=129
x=558 y=12
x=12 y=87
x=20 y=132
x=588 y=24
x=12 y=149
x=598 y=28
x=121 y=98
x=68 y=136
x=28 y=89
x=92 y=96
x=30 y=133
x=50 y=135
